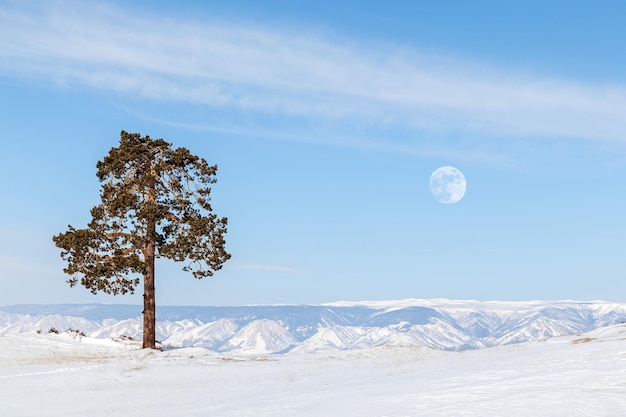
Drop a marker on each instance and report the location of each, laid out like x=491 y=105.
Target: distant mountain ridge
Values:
x=261 y=329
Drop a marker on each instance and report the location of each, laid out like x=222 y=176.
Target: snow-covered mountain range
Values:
x=438 y=324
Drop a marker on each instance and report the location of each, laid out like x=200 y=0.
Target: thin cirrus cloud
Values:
x=262 y=268
x=287 y=72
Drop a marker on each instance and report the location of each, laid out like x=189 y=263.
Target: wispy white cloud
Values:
x=330 y=138
x=10 y=265
x=296 y=73
x=262 y=268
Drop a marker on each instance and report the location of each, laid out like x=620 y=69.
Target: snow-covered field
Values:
x=61 y=375
x=397 y=358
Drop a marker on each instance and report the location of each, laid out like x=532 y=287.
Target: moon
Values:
x=448 y=185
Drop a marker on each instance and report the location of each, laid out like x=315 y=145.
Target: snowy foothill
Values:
x=344 y=359
x=264 y=329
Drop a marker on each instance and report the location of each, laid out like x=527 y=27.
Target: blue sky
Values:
x=326 y=120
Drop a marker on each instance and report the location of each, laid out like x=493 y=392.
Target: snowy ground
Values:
x=54 y=375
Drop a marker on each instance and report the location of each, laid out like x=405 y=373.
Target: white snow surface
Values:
x=69 y=375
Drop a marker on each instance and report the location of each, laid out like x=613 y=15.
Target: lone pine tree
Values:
x=155 y=202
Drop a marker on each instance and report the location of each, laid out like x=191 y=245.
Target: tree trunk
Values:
x=149 y=304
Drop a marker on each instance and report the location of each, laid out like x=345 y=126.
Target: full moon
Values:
x=448 y=185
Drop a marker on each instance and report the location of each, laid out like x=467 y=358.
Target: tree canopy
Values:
x=155 y=202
